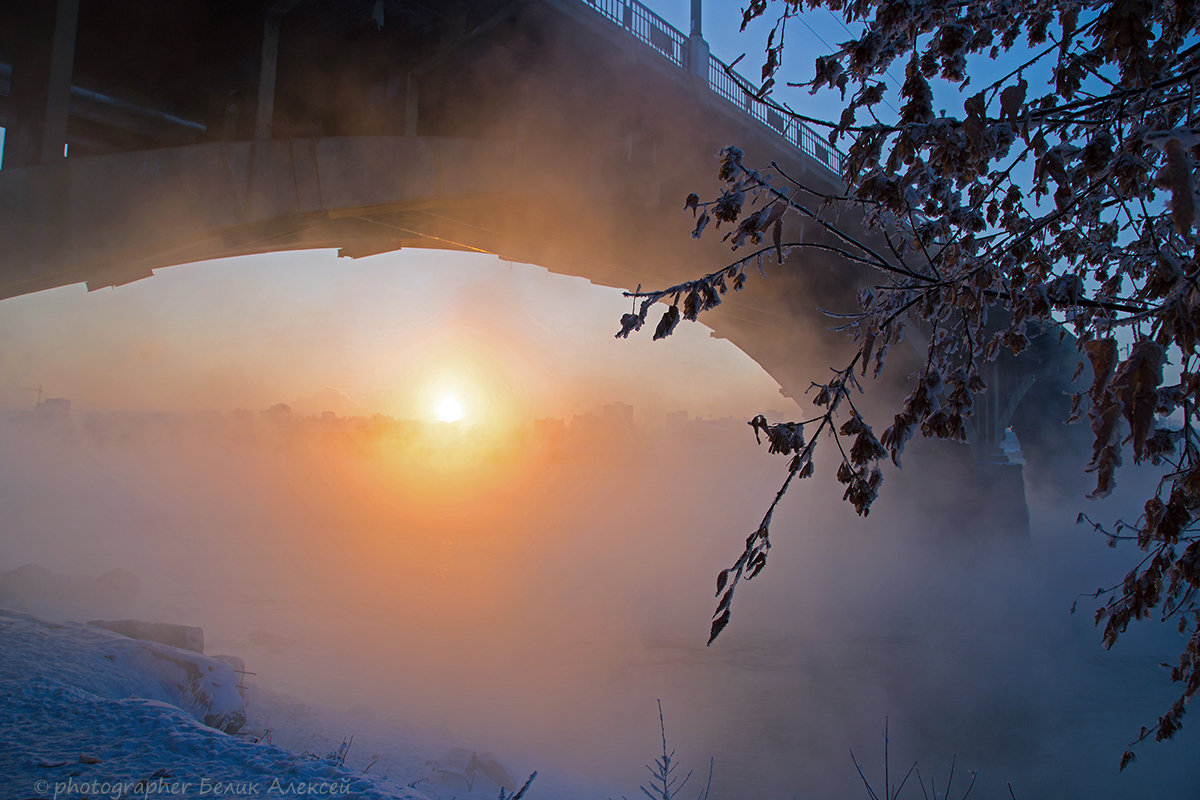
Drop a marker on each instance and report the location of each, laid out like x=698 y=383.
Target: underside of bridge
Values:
x=543 y=131
x=539 y=130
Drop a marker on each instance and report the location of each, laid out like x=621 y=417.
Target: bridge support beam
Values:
x=265 y=113
x=40 y=92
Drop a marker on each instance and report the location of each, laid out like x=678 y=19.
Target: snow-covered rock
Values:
x=239 y=668
x=185 y=637
x=115 y=665
x=207 y=687
x=85 y=712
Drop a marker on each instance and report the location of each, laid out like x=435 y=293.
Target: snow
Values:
x=89 y=713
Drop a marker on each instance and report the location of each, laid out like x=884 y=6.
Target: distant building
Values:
x=54 y=409
x=279 y=413
x=614 y=421
x=617 y=414
x=676 y=419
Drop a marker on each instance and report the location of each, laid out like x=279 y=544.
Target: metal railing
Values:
x=795 y=132
x=647 y=26
x=653 y=30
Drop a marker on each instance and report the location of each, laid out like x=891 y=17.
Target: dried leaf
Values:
x=718 y=625
x=667 y=324
x=868 y=345
x=1011 y=100
x=1176 y=177
x=725 y=600
x=1103 y=355
x=1136 y=385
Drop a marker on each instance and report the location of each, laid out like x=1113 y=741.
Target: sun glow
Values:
x=449 y=409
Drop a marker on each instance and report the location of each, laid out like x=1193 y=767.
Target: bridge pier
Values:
x=989 y=500
x=997 y=476
x=40 y=88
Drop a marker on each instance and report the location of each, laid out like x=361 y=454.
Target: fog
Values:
x=531 y=590
x=532 y=594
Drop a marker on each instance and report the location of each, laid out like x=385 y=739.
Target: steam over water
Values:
x=533 y=596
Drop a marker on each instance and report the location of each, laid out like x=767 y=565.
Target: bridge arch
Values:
x=109 y=220
x=368 y=195
x=556 y=132
x=540 y=131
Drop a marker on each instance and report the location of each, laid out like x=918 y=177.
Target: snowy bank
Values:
x=89 y=713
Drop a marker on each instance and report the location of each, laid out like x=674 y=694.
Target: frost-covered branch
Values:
x=1062 y=196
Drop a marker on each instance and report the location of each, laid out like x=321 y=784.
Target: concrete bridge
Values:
x=563 y=133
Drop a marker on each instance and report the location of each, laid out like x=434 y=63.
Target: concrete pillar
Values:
x=265 y=114
x=40 y=89
x=697 y=55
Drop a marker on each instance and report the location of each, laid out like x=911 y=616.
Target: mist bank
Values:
x=534 y=594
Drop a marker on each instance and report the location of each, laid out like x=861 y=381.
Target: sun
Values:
x=449 y=409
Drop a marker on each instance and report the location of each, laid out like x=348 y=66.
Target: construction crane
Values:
x=38 y=390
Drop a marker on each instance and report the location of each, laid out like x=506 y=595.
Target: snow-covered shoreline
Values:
x=84 y=713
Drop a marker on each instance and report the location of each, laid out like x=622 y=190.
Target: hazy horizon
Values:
x=389 y=333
